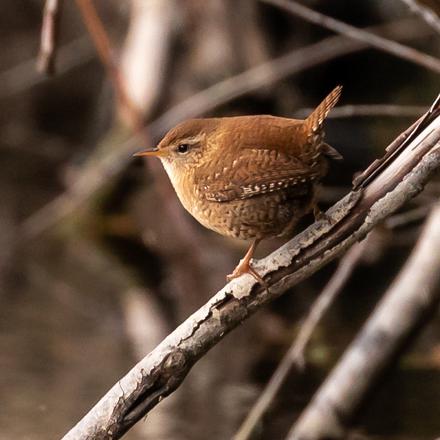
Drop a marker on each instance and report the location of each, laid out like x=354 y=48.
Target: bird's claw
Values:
x=244 y=267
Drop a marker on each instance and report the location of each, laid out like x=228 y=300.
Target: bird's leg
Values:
x=245 y=267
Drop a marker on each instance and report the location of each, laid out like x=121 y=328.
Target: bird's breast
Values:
x=183 y=183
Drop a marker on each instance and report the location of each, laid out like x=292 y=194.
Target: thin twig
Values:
x=400 y=178
x=427 y=14
x=295 y=354
x=406 y=306
x=389 y=46
x=108 y=59
x=49 y=37
x=375 y=110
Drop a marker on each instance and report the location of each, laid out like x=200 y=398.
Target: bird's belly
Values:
x=263 y=216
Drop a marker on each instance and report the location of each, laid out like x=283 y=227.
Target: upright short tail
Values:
x=316 y=118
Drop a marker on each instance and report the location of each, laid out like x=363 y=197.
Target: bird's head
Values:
x=183 y=147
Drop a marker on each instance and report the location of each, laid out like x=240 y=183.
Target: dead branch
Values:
x=406 y=305
x=295 y=354
x=49 y=37
x=399 y=178
x=392 y=47
x=427 y=14
x=109 y=167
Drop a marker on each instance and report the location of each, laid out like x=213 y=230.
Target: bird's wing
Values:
x=255 y=172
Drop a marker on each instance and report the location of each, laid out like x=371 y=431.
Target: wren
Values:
x=249 y=177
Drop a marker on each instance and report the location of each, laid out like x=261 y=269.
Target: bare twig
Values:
x=201 y=103
x=349 y=111
x=295 y=354
x=406 y=305
x=49 y=36
x=389 y=46
x=427 y=14
x=163 y=370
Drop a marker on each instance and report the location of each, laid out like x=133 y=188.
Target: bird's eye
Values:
x=182 y=148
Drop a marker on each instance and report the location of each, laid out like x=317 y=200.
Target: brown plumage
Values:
x=250 y=177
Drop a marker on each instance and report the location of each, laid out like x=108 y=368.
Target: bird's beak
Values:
x=151 y=152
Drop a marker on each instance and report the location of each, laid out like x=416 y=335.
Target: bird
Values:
x=249 y=177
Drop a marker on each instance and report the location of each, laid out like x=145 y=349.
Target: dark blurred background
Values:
x=92 y=282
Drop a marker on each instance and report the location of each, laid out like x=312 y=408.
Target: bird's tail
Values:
x=316 y=118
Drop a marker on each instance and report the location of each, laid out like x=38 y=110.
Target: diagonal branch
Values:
x=381 y=43
x=400 y=178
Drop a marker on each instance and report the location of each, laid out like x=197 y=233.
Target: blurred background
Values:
x=99 y=261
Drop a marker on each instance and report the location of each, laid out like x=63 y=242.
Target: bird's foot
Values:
x=245 y=267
